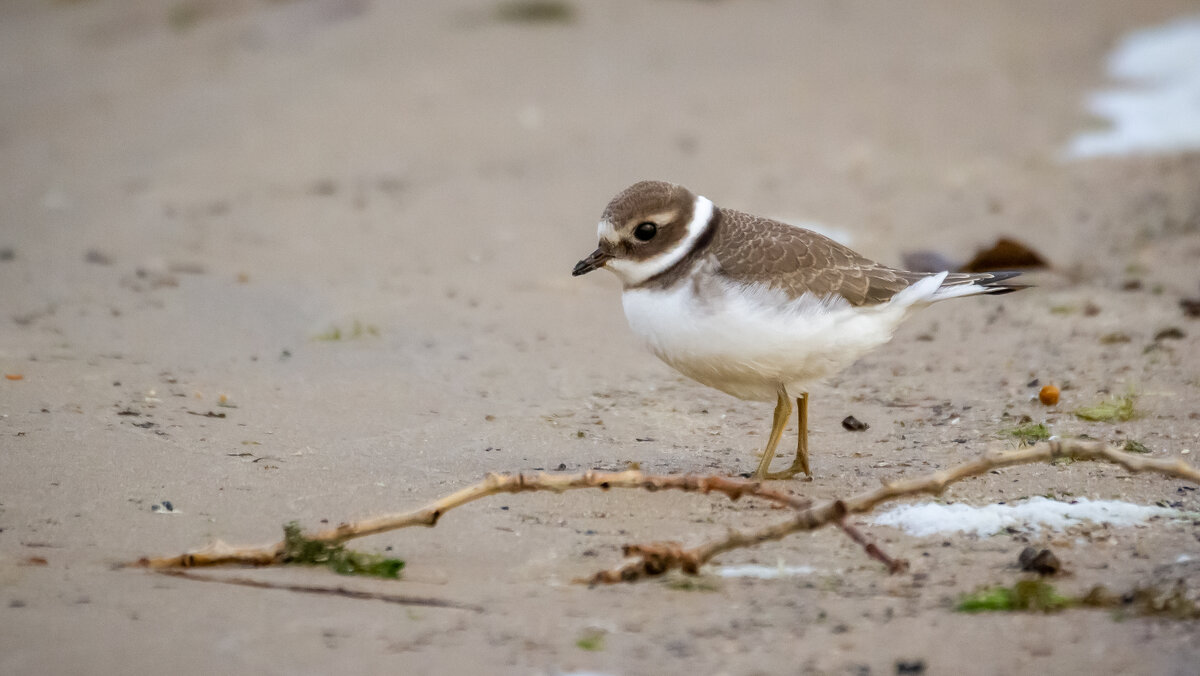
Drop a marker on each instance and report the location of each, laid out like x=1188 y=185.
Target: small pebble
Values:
x=910 y=666
x=854 y=424
x=1042 y=562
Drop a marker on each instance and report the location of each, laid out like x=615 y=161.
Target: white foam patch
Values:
x=760 y=572
x=1032 y=514
x=1158 y=109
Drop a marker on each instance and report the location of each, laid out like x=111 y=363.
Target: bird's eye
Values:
x=645 y=231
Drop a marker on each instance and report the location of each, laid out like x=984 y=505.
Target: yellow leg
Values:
x=783 y=411
x=800 y=464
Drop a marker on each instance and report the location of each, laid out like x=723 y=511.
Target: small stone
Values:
x=854 y=424
x=1191 y=307
x=97 y=257
x=1042 y=562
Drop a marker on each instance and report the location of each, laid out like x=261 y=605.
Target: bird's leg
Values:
x=783 y=411
x=800 y=464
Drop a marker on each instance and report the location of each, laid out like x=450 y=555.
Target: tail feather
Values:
x=959 y=284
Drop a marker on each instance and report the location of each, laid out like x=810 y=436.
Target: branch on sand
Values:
x=657 y=558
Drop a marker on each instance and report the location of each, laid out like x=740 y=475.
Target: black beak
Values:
x=597 y=259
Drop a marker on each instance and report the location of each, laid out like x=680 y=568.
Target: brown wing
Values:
x=752 y=249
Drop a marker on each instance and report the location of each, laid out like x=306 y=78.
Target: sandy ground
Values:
x=192 y=193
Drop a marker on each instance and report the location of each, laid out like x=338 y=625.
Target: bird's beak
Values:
x=597 y=259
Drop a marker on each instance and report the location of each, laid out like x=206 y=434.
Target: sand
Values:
x=196 y=197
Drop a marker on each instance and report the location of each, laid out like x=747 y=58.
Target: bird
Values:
x=754 y=307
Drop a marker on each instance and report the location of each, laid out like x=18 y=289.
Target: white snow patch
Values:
x=1158 y=108
x=1034 y=514
x=760 y=572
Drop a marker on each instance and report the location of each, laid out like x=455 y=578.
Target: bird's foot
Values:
x=791 y=472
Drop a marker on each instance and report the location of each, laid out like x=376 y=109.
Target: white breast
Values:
x=749 y=341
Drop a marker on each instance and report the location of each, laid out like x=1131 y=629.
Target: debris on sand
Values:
x=1049 y=395
x=592 y=640
x=1134 y=446
x=853 y=424
x=1042 y=562
x=1032 y=595
x=1191 y=307
x=1028 y=432
x=1118 y=408
x=305 y=551
x=1170 y=333
x=1039 y=596
x=97 y=257
x=357 y=330
x=535 y=11
x=1005 y=254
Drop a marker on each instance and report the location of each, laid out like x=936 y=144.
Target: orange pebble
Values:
x=1048 y=395
x=13 y=376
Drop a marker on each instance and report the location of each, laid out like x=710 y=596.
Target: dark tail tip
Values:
x=997 y=282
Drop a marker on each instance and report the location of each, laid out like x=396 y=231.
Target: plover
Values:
x=754 y=307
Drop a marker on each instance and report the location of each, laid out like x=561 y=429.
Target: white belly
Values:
x=751 y=341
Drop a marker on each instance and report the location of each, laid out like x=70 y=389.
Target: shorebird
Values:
x=754 y=307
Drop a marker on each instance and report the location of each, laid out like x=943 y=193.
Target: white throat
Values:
x=633 y=273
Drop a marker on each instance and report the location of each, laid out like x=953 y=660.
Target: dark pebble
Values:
x=1191 y=307
x=1042 y=562
x=854 y=424
x=910 y=666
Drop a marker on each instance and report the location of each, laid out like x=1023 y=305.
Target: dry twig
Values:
x=658 y=558
x=220 y=553
x=834 y=510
